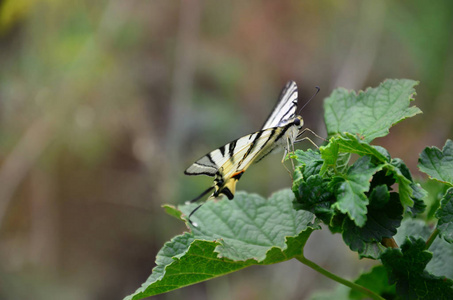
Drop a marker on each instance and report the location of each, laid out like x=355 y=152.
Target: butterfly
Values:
x=228 y=163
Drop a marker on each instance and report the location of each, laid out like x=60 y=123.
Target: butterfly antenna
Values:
x=311 y=98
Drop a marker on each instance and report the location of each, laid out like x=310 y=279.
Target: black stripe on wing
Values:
x=235 y=151
x=276 y=134
x=252 y=145
x=285 y=108
x=231 y=148
x=204 y=166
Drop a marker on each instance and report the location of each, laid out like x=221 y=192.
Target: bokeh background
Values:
x=103 y=104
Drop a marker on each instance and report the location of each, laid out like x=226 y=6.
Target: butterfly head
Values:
x=299 y=122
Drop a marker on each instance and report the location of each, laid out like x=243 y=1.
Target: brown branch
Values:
x=389 y=243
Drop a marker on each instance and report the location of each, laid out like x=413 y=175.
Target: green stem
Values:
x=338 y=279
x=431 y=238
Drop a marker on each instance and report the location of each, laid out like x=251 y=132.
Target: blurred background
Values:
x=103 y=104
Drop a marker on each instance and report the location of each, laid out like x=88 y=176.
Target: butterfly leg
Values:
x=288 y=143
x=312 y=132
x=283 y=162
x=284 y=156
x=307 y=139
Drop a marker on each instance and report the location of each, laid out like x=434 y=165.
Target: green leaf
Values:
x=298 y=179
x=384 y=217
x=438 y=164
x=409 y=191
x=383 y=177
x=329 y=154
x=175 y=269
x=442 y=260
x=342 y=162
x=311 y=162
x=377 y=281
x=315 y=196
x=370 y=114
x=445 y=216
x=418 y=194
x=173 y=211
x=400 y=171
x=406 y=268
x=353 y=144
x=435 y=192
x=372 y=250
x=250 y=224
x=231 y=235
x=350 y=189
x=334 y=160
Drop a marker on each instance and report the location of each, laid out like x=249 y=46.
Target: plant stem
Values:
x=389 y=243
x=431 y=238
x=338 y=279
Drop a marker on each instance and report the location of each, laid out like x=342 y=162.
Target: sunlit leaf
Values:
x=231 y=235
x=371 y=113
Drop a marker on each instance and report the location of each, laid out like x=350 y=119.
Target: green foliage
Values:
x=230 y=235
x=357 y=200
x=406 y=268
x=371 y=113
x=372 y=200
x=436 y=190
x=445 y=216
x=440 y=264
x=384 y=217
x=349 y=143
x=375 y=280
x=173 y=211
x=350 y=189
x=438 y=164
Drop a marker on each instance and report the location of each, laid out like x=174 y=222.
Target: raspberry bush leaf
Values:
x=406 y=268
x=438 y=164
x=264 y=231
x=445 y=216
x=440 y=264
x=370 y=113
x=384 y=217
x=375 y=280
x=350 y=189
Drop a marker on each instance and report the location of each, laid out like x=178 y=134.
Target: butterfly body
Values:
x=228 y=163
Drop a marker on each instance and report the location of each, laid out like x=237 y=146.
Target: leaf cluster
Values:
x=357 y=189
x=230 y=236
x=354 y=187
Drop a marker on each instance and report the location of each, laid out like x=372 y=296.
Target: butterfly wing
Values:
x=232 y=156
x=229 y=162
x=286 y=106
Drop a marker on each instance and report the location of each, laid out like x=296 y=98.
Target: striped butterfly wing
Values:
x=228 y=163
x=232 y=156
x=286 y=106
